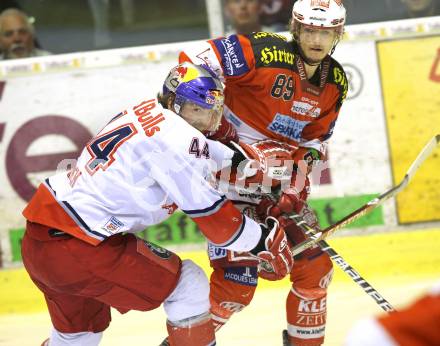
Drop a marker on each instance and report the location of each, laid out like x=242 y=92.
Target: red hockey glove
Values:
x=274 y=250
x=261 y=165
x=294 y=194
x=291 y=200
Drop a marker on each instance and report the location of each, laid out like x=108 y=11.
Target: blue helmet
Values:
x=194 y=83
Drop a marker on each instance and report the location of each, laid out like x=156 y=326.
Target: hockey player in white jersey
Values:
x=150 y=159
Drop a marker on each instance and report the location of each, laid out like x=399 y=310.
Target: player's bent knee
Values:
x=191 y=296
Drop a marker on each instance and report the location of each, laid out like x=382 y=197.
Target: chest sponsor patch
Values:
x=232 y=57
x=307 y=109
x=288 y=127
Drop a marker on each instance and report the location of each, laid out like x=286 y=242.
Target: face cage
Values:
x=214 y=115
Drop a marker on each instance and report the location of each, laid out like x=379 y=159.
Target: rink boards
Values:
x=391 y=111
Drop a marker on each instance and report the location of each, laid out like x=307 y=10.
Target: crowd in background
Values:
x=98 y=24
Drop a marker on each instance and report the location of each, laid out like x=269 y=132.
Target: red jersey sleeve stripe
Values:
x=206 y=211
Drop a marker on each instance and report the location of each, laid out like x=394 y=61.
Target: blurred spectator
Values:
x=361 y=11
x=100 y=12
x=275 y=14
x=244 y=16
x=17 y=36
x=421 y=8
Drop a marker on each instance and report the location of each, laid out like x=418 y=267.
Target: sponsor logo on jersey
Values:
x=158 y=250
x=113 y=225
x=307 y=332
x=262 y=34
x=234 y=120
x=243 y=275
x=287 y=127
x=275 y=56
x=313 y=306
x=308 y=100
x=232 y=306
x=326 y=279
x=341 y=80
x=245 y=193
x=207 y=57
x=149 y=122
x=304 y=108
x=233 y=61
x=215 y=252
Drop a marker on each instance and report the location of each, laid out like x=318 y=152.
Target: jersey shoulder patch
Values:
x=272 y=50
x=338 y=77
x=232 y=57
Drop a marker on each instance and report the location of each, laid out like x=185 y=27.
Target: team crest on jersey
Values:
x=288 y=127
x=170 y=208
x=113 y=225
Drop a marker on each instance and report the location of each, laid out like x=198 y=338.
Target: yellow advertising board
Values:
x=410 y=74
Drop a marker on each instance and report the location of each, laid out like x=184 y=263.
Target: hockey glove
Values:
x=290 y=199
x=273 y=250
x=261 y=165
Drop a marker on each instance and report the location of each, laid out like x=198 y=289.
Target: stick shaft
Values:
x=374 y=203
x=347 y=268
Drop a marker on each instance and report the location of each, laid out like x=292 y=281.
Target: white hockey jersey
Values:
x=146 y=162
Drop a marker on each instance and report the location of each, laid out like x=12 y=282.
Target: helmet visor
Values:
x=201 y=118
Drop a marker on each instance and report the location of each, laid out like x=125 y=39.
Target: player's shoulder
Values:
x=337 y=76
x=272 y=50
x=337 y=72
x=265 y=38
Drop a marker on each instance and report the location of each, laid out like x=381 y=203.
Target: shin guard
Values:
x=232 y=289
x=306 y=304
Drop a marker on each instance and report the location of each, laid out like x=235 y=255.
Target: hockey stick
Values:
x=348 y=269
x=317 y=236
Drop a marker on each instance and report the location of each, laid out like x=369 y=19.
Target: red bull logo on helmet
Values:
x=187 y=74
x=214 y=98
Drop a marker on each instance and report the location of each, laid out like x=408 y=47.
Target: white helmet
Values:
x=319 y=13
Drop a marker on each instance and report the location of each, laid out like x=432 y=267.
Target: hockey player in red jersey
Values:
x=79 y=248
x=417 y=324
x=289 y=92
